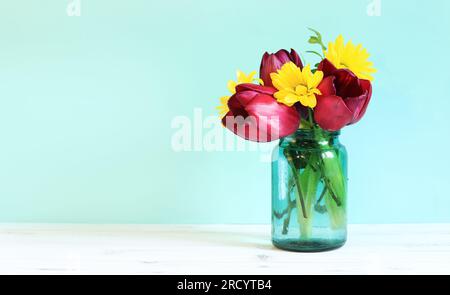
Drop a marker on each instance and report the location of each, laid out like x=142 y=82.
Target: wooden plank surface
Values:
x=216 y=249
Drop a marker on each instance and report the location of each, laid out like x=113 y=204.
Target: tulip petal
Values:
x=264 y=73
x=348 y=104
x=270 y=63
x=295 y=58
x=326 y=67
x=327 y=87
x=236 y=107
x=263 y=119
x=331 y=113
x=347 y=83
x=283 y=56
x=355 y=105
x=358 y=105
x=256 y=88
x=246 y=92
x=276 y=119
x=242 y=126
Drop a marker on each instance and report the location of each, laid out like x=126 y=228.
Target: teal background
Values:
x=86 y=105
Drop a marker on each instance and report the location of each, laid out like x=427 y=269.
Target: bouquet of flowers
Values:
x=289 y=96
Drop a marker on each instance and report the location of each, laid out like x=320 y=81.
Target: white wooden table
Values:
x=216 y=249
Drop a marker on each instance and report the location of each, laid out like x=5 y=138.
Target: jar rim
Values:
x=312 y=131
x=309 y=135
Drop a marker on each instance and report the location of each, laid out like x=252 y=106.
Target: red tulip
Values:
x=256 y=115
x=272 y=62
x=344 y=98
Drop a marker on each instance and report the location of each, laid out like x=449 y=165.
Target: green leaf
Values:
x=333 y=172
x=335 y=199
x=319 y=36
x=317 y=39
x=313 y=40
x=309 y=180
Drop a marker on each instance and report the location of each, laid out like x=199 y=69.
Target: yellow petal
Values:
x=308 y=101
x=301 y=90
x=223 y=108
x=279 y=82
x=240 y=75
x=350 y=56
x=315 y=79
x=231 y=85
x=286 y=97
x=251 y=76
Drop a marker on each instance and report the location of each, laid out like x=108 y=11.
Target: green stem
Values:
x=287 y=220
x=324 y=191
x=280 y=215
x=297 y=184
x=288 y=212
x=322 y=172
x=332 y=194
x=311 y=119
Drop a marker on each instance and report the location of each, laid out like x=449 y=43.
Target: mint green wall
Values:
x=86 y=105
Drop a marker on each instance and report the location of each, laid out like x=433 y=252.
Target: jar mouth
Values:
x=315 y=131
x=310 y=135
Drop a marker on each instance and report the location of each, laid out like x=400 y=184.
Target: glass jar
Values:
x=309 y=192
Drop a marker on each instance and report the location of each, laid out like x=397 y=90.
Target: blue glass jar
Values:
x=309 y=192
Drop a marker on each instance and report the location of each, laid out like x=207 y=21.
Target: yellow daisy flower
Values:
x=350 y=56
x=223 y=108
x=296 y=85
